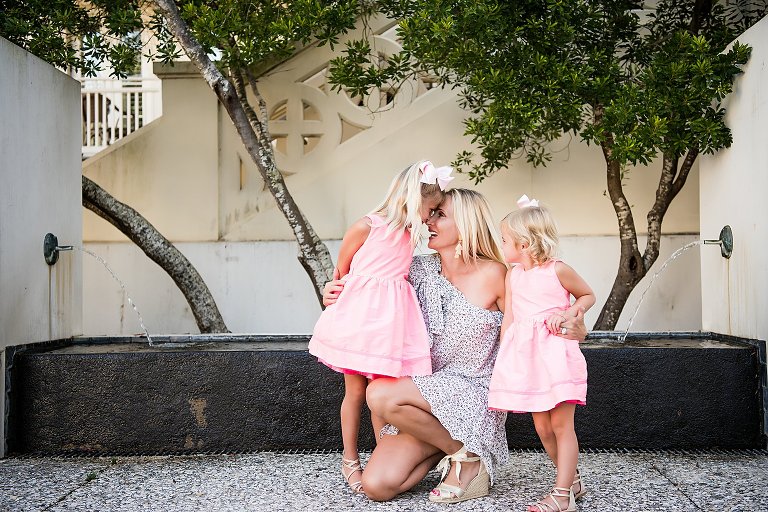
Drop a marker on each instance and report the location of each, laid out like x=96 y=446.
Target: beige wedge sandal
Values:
x=553 y=505
x=477 y=488
x=349 y=468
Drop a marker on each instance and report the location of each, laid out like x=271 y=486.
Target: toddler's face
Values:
x=512 y=250
x=442 y=226
x=429 y=204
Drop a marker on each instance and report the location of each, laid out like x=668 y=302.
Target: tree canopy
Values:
x=642 y=80
x=650 y=80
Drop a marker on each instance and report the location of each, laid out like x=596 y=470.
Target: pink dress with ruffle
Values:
x=376 y=327
x=535 y=370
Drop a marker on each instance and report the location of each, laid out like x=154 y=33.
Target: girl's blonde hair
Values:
x=474 y=221
x=535 y=227
x=401 y=207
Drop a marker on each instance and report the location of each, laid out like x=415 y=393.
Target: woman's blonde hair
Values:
x=474 y=221
x=401 y=207
x=535 y=227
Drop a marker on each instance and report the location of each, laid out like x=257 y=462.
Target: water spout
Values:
x=725 y=241
x=726 y=249
x=51 y=249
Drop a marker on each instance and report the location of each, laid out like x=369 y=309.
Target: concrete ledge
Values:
x=266 y=393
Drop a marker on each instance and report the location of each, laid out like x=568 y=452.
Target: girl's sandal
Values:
x=349 y=468
x=477 y=487
x=577 y=484
x=552 y=505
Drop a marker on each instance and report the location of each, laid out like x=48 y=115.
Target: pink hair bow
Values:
x=524 y=202
x=431 y=174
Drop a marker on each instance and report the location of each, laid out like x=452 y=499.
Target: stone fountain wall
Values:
x=733 y=186
x=39 y=193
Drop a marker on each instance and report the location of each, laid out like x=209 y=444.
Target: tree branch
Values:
x=141 y=232
x=313 y=254
x=664 y=196
x=685 y=169
x=701 y=11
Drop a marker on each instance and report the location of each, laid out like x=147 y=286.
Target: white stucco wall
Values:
x=733 y=187
x=189 y=174
x=261 y=288
x=40 y=193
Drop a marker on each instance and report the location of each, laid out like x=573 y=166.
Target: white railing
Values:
x=112 y=109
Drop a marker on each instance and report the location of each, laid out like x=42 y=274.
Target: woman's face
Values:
x=443 y=233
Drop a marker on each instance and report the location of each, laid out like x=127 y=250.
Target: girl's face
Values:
x=513 y=251
x=429 y=204
x=443 y=233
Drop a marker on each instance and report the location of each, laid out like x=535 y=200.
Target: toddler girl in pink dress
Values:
x=537 y=370
x=376 y=327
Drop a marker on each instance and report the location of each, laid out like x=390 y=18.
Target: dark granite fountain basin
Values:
x=244 y=393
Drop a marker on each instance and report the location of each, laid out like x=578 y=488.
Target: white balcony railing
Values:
x=112 y=109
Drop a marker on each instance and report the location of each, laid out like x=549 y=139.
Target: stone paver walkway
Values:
x=722 y=481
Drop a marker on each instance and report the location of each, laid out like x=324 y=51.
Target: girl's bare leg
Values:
x=566 y=448
x=396 y=465
x=567 y=443
x=354 y=397
x=543 y=424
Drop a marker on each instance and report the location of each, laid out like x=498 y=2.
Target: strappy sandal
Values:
x=554 y=505
x=349 y=468
x=477 y=487
x=577 y=481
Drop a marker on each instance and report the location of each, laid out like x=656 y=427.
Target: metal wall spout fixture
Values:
x=51 y=248
x=725 y=242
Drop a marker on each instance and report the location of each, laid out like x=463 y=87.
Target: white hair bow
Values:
x=524 y=202
x=431 y=174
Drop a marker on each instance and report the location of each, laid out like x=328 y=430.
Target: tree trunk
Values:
x=159 y=250
x=313 y=254
x=633 y=266
x=631 y=269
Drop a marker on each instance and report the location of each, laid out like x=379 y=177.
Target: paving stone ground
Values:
x=716 y=480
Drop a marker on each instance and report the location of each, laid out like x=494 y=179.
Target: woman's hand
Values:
x=574 y=326
x=331 y=291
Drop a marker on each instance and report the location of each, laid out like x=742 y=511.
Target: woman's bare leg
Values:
x=396 y=465
x=400 y=403
x=378 y=423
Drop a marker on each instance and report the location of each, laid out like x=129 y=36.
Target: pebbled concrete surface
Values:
x=638 y=481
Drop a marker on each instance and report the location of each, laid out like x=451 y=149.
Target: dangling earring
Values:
x=459 y=250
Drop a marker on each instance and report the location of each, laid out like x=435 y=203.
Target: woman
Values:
x=461 y=293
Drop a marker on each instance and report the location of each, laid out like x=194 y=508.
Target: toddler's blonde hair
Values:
x=534 y=226
x=401 y=207
x=474 y=222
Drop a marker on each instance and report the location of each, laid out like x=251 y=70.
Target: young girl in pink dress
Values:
x=376 y=327
x=536 y=370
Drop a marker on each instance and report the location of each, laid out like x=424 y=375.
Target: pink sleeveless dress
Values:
x=536 y=370
x=376 y=327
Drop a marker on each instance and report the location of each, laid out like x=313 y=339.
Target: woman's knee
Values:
x=377 y=487
x=379 y=397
